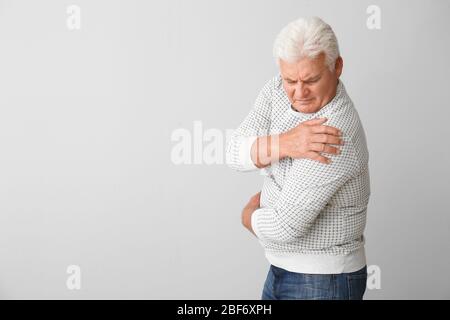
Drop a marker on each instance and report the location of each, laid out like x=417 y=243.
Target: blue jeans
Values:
x=285 y=285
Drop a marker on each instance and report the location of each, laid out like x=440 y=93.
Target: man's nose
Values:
x=301 y=91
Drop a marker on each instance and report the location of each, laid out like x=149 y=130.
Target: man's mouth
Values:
x=303 y=101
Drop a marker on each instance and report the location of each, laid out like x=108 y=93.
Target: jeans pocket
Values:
x=357 y=283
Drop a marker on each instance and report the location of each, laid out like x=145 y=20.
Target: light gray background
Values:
x=86 y=118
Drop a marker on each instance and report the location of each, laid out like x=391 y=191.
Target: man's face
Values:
x=309 y=83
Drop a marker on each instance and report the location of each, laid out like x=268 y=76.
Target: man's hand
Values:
x=309 y=139
x=248 y=210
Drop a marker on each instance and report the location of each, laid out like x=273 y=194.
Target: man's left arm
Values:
x=307 y=189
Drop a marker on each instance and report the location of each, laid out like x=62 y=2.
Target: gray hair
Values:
x=306 y=37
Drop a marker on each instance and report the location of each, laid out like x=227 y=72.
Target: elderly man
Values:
x=311 y=213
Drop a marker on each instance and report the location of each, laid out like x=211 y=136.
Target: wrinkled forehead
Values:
x=302 y=69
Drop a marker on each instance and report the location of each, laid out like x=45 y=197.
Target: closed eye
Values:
x=313 y=80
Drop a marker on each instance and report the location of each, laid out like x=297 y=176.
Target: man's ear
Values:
x=339 y=65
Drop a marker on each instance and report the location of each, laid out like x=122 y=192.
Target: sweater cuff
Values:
x=245 y=153
x=255 y=225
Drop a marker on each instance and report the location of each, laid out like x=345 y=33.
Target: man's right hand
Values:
x=309 y=139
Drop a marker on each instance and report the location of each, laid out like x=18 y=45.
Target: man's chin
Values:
x=306 y=108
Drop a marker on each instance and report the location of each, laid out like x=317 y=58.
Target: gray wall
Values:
x=86 y=174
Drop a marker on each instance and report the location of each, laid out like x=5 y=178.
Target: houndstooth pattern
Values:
x=307 y=206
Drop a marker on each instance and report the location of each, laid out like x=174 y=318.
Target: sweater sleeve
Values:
x=308 y=189
x=257 y=123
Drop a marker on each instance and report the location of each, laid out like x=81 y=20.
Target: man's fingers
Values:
x=326 y=129
x=331 y=150
x=320 y=147
x=313 y=155
x=326 y=138
x=315 y=122
x=255 y=198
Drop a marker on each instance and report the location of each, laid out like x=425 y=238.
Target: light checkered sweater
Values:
x=312 y=215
